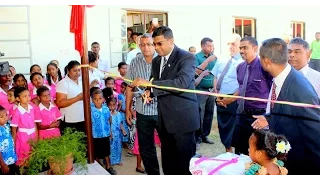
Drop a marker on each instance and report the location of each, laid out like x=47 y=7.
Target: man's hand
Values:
x=211 y=58
x=260 y=122
x=225 y=101
x=205 y=73
x=140 y=81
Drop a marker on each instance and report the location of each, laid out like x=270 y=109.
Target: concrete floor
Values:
x=209 y=150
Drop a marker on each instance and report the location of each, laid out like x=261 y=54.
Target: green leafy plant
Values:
x=56 y=150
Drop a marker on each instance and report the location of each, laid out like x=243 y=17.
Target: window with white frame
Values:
x=245 y=27
x=298 y=29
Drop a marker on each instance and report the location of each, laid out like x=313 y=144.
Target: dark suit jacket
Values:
x=300 y=125
x=179 y=111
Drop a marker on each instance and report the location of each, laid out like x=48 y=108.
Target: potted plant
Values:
x=60 y=153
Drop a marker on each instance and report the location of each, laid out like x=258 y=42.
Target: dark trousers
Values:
x=207 y=109
x=198 y=133
x=242 y=132
x=227 y=122
x=176 y=151
x=315 y=64
x=80 y=127
x=146 y=126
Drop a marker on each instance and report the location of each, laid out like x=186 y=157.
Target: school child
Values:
x=49 y=114
x=8 y=156
x=23 y=124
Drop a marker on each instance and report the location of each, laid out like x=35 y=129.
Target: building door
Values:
x=15 y=41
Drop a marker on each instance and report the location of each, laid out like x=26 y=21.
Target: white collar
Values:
x=35 y=89
x=22 y=110
x=168 y=56
x=42 y=107
x=52 y=81
x=304 y=70
x=1 y=90
x=279 y=80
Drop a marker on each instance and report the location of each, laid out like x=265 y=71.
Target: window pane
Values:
x=247 y=28
x=238 y=26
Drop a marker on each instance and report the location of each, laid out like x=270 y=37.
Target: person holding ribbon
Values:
x=178 y=112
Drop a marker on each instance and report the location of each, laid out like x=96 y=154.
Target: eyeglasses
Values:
x=160 y=43
x=146 y=44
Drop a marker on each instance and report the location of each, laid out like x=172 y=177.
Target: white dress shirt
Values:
x=313 y=77
x=162 y=62
x=279 y=80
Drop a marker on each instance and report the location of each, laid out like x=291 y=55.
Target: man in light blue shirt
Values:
x=225 y=82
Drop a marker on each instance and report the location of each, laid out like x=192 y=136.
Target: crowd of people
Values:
x=137 y=116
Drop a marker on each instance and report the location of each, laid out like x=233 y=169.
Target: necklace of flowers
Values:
x=255 y=168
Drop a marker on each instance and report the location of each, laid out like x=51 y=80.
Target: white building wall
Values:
x=51 y=39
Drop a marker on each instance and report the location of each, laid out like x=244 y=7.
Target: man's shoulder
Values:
x=313 y=73
x=182 y=54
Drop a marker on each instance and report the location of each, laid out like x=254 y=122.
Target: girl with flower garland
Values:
x=267 y=151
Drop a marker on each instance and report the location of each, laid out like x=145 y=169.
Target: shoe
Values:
x=197 y=146
x=208 y=141
x=112 y=171
x=140 y=171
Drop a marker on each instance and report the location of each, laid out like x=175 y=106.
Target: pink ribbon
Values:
x=226 y=163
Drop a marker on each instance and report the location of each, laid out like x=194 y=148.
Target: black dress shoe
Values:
x=208 y=141
x=140 y=171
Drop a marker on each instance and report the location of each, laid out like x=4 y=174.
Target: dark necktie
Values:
x=243 y=91
x=224 y=72
x=164 y=64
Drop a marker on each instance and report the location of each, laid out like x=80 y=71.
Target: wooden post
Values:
x=86 y=92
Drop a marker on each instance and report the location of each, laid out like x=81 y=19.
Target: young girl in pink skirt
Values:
x=23 y=124
x=50 y=115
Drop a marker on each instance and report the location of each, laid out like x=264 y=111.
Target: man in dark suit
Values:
x=300 y=125
x=178 y=112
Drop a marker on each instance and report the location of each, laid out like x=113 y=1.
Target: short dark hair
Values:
x=96 y=91
x=134 y=34
x=191 y=47
x=251 y=40
x=19 y=90
x=205 y=40
x=124 y=84
x=129 y=29
x=92 y=56
x=275 y=49
x=95 y=43
x=164 y=31
x=92 y=90
x=42 y=89
x=107 y=93
x=300 y=41
x=121 y=64
x=109 y=79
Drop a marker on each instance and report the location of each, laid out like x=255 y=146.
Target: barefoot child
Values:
x=267 y=151
x=50 y=115
x=23 y=124
x=101 y=131
x=8 y=155
x=117 y=131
